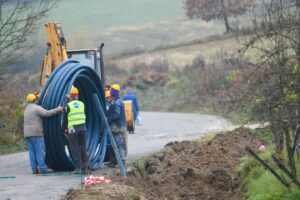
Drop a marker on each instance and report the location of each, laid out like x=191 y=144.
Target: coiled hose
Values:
x=72 y=73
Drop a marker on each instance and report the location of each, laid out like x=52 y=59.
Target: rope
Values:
x=72 y=73
x=62 y=174
x=7 y=177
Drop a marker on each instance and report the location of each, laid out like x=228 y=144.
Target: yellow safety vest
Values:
x=76 y=116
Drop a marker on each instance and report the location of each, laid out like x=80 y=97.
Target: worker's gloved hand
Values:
x=60 y=108
x=66 y=131
x=138 y=121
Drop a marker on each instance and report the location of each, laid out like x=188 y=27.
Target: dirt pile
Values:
x=108 y=191
x=189 y=170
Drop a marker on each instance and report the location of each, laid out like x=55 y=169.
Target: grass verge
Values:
x=11 y=148
x=259 y=184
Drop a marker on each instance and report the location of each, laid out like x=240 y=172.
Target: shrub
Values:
x=259 y=184
x=11 y=116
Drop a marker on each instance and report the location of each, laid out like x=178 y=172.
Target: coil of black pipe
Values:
x=72 y=73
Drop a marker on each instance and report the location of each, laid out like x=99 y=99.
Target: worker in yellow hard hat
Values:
x=106 y=88
x=117 y=122
x=108 y=99
x=37 y=94
x=33 y=133
x=75 y=131
x=30 y=98
x=116 y=87
x=107 y=94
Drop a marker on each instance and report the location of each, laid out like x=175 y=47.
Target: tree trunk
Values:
x=291 y=160
x=228 y=29
x=278 y=140
x=279 y=144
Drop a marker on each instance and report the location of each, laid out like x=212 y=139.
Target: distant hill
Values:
x=127 y=25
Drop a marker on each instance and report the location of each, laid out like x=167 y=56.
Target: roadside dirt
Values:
x=183 y=170
x=157 y=130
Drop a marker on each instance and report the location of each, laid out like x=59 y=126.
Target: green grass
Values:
x=11 y=148
x=205 y=139
x=134 y=195
x=263 y=133
x=140 y=165
x=259 y=184
x=97 y=15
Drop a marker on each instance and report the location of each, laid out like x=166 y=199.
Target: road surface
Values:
x=157 y=129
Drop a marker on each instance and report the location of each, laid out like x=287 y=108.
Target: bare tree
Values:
x=274 y=82
x=217 y=9
x=18 y=20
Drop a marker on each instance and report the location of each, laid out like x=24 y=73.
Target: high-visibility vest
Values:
x=76 y=116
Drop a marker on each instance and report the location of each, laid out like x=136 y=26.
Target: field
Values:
x=97 y=15
x=142 y=25
x=180 y=56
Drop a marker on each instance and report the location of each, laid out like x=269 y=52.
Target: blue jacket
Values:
x=116 y=116
x=135 y=105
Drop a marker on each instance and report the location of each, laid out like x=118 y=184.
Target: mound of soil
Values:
x=108 y=191
x=188 y=170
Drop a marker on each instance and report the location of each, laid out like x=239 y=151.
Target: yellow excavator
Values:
x=57 y=53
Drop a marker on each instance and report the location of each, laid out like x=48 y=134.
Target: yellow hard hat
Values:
x=30 y=98
x=107 y=93
x=74 y=91
x=116 y=87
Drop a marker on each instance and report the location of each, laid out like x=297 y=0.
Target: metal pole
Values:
x=102 y=64
x=112 y=140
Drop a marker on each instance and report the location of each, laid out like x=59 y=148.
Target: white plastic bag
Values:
x=138 y=121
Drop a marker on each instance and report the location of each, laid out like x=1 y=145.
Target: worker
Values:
x=107 y=98
x=33 y=133
x=106 y=88
x=37 y=94
x=117 y=122
x=75 y=131
x=116 y=87
x=135 y=106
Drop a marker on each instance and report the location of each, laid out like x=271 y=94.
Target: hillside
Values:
x=180 y=55
x=143 y=25
x=97 y=15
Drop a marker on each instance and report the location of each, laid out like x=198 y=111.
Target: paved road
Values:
x=157 y=129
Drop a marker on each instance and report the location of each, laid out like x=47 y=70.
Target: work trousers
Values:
x=120 y=142
x=77 y=147
x=36 y=150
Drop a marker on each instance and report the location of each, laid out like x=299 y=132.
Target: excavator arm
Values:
x=56 y=52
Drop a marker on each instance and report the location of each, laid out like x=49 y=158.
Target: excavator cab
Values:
x=91 y=58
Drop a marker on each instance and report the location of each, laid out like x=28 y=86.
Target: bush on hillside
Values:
x=208 y=86
x=11 y=117
x=211 y=85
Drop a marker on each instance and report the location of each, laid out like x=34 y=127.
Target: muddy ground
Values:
x=183 y=170
x=157 y=130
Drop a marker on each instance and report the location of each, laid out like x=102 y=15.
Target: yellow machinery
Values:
x=57 y=53
x=129 y=121
x=129 y=115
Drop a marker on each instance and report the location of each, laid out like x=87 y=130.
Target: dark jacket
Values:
x=116 y=116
